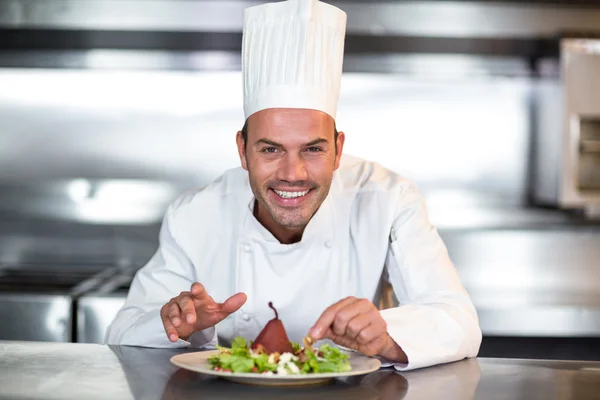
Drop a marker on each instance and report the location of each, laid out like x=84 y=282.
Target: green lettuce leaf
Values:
x=238 y=358
x=263 y=364
x=242 y=364
x=296 y=346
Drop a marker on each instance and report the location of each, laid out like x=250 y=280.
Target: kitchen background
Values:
x=110 y=108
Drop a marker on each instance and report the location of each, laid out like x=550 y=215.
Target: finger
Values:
x=326 y=319
x=357 y=324
x=169 y=328
x=174 y=314
x=188 y=310
x=171 y=331
x=233 y=303
x=371 y=332
x=198 y=291
x=220 y=311
x=349 y=312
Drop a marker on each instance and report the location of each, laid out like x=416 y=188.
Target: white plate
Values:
x=198 y=362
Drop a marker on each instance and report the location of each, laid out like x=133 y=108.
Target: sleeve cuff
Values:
x=427 y=335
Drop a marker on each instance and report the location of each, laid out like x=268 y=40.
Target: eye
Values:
x=269 y=149
x=314 y=149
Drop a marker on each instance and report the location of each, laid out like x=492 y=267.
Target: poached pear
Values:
x=273 y=337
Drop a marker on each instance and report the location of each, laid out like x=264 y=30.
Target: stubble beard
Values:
x=288 y=217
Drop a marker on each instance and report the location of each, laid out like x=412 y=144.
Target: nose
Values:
x=292 y=169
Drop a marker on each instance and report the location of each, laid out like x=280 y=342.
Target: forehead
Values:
x=286 y=121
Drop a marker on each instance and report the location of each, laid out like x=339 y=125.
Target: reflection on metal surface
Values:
x=423 y=18
x=79 y=190
x=438 y=66
x=97 y=309
x=37 y=302
x=57 y=321
x=451 y=66
x=95 y=313
x=106 y=201
x=451 y=381
x=121 y=372
x=71 y=246
x=532 y=283
x=35 y=316
x=124 y=202
x=122 y=59
x=528 y=261
x=541 y=321
x=173 y=93
x=455 y=209
x=174 y=130
x=537 y=282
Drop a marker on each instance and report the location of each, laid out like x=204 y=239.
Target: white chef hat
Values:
x=292 y=55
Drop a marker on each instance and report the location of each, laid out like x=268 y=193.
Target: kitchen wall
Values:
x=461 y=139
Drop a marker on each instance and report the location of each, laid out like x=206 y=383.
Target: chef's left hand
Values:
x=357 y=324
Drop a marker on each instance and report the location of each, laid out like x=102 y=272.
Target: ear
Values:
x=241 y=145
x=339 y=147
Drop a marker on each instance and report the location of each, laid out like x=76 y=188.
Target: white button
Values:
x=328 y=244
x=246 y=317
x=247 y=248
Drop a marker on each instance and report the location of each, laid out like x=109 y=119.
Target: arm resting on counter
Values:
x=167 y=274
x=436 y=321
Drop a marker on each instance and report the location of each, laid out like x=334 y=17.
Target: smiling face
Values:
x=290 y=155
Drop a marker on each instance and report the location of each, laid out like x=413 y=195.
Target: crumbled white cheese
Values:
x=286 y=358
x=286 y=365
x=281 y=370
x=293 y=368
x=271 y=358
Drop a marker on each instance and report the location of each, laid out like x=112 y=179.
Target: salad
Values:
x=242 y=357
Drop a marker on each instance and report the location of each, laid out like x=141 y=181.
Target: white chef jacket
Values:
x=372 y=222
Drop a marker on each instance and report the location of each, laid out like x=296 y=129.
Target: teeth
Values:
x=290 y=195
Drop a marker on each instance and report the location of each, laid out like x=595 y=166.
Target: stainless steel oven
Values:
x=37 y=302
x=96 y=310
x=567 y=138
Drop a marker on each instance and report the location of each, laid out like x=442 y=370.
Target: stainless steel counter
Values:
x=33 y=370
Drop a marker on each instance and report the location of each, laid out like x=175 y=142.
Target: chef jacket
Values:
x=373 y=223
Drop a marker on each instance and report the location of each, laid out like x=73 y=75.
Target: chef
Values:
x=299 y=225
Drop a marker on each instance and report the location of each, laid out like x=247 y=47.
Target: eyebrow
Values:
x=267 y=141
x=275 y=144
x=317 y=141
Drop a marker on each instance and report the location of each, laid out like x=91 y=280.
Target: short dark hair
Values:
x=245 y=133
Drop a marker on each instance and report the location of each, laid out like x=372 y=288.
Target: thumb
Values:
x=234 y=303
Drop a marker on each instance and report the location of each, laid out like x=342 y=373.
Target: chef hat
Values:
x=292 y=55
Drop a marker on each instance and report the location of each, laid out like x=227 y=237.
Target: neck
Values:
x=282 y=234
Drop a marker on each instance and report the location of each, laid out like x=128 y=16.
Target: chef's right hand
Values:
x=195 y=311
